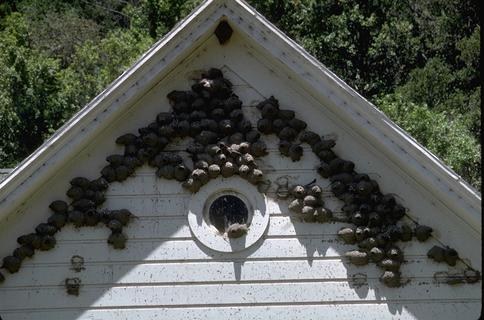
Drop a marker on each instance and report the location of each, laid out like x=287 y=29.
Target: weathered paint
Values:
x=296 y=270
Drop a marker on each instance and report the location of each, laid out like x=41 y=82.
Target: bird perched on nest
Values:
x=228 y=151
x=237 y=230
x=229 y=215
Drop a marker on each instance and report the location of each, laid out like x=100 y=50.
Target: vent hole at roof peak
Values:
x=223 y=32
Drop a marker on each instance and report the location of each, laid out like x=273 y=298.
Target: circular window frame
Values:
x=214 y=197
x=209 y=235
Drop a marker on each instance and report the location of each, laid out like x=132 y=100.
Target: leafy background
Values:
x=416 y=60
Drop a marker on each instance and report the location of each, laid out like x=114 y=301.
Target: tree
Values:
x=30 y=104
x=57 y=34
x=95 y=65
x=450 y=140
x=415 y=56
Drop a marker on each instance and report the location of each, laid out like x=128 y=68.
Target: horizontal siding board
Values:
x=174 y=250
x=177 y=227
x=164 y=266
x=361 y=311
x=54 y=275
x=261 y=271
x=150 y=184
x=146 y=185
x=149 y=205
x=221 y=294
x=152 y=205
x=202 y=272
x=271 y=141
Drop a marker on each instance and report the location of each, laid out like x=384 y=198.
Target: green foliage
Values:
x=425 y=52
x=57 y=34
x=95 y=65
x=441 y=89
x=450 y=140
x=419 y=59
x=157 y=17
x=30 y=108
x=378 y=46
x=37 y=95
x=429 y=85
x=106 y=14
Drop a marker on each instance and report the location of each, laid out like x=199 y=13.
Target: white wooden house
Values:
x=177 y=264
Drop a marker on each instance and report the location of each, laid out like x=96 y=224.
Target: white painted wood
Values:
x=357 y=111
x=230 y=294
x=177 y=227
x=153 y=66
x=353 y=146
x=325 y=246
x=164 y=228
x=416 y=269
x=296 y=270
x=257 y=215
x=363 y=311
x=264 y=30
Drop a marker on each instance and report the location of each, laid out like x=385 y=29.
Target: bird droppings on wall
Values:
x=224 y=143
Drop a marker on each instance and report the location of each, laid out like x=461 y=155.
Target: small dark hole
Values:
x=227 y=210
x=223 y=32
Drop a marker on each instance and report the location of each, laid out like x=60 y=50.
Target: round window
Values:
x=222 y=217
x=229 y=215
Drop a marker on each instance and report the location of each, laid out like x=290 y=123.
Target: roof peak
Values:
x=400 y=148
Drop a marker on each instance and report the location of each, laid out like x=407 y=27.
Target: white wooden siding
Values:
x=295 y=271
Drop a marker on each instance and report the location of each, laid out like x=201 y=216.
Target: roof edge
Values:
x=108 y=101
x=418 y=162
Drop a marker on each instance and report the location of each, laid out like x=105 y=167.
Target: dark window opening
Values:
x=227 y=210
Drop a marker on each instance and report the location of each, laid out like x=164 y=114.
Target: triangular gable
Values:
x=316 y=80
x=172 y=264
